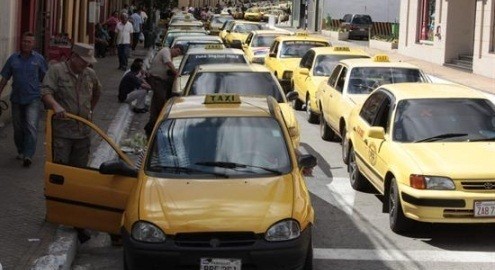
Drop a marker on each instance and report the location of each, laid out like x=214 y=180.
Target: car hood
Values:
x=459 y=160
x=186 y=205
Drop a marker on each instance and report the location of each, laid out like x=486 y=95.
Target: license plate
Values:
x=484 y=209
x=220 y=264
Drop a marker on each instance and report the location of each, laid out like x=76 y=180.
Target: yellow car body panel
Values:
x=306 y=85
x=256 y=53
x=467 y=163
x=336 y=104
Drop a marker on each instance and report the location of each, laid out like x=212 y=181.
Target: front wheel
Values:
x=398 y=221
x=326 y=132
x=358 y=182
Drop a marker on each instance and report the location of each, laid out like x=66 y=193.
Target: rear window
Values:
x=244 y=83
x=362 y=19
x=365 y=79
x=325 y=64
x=210 y=58
x=297 y=48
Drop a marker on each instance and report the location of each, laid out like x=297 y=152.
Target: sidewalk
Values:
x=24 y=233
x=475 y=81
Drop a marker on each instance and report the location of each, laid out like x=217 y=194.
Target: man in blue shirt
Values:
x=137 y=23
x=27 y=68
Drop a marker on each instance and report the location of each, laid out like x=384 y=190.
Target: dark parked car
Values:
x=358 y=25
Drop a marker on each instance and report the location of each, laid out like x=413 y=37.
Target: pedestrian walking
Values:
x=134 y=87
x=124 y=32
x=137 y=23
x=27 y=69
x=162 y=75
x=74 y=88
x=111 y=24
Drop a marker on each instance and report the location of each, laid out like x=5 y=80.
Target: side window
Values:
x=310 y=60
x=383 y=116
x=249 y=38
x=371 y=107
x=306 y=60
x=333 y=78
x=339 y=86
x=274 y=47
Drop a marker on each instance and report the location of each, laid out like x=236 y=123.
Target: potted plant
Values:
x=385 y=43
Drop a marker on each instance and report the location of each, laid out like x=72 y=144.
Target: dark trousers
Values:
x=162 y=90
x=135 y=40
x=123 y=50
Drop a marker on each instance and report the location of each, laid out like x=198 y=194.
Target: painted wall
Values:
x=484 y=39
x=379 y=10
x=460 y=28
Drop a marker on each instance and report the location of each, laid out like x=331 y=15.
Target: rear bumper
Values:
x=285 y=255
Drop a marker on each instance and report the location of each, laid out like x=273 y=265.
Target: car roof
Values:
x=194 y=38
x=302 y=37
x=432 y=90
x=219 y=50
x=246 y=22
x=232 y=68
x=194 y=106
x=339 y=50
x=370 y=62
x=271 y=32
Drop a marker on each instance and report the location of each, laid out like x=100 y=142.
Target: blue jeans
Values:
x=25 y=119
x=123 y=50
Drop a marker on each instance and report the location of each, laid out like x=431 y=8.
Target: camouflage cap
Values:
x=85 y=51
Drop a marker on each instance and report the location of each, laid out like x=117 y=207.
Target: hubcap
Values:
x=308 y=108
x=393 y=203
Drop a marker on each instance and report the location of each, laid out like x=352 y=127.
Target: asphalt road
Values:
x=351 y=232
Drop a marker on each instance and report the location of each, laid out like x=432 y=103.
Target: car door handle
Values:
x=56 y=179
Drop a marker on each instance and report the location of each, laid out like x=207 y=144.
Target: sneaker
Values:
x=27 y=162
x=19 y=157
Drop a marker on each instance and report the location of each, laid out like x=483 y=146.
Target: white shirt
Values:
x=124 y=33
x=158 y=66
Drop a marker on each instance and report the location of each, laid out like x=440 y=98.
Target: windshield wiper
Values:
x=442 y=136
x=491 y=139
x=233 y=165
x=187 y=170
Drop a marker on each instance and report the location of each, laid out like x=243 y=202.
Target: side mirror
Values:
x=376 y=133
x=272 y=55
x=228 y=31
x=292 y=95
x=307 y=161
x=304 y=71
x=117 y=167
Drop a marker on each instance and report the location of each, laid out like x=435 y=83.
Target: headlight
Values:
x=431 y=182
x=147 y=232
x=287 y=75
x=283 y=231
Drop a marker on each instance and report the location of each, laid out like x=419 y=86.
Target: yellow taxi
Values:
x=253 y=14
x=316 y=66
x=246 y=80
x=350 y=83
x=220 y=187
x=286 y=52
x=238 y=33
x=258 y=43
x=209 y=54
x=428 y=148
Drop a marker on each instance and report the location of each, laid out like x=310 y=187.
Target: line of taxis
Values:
x=221 y=184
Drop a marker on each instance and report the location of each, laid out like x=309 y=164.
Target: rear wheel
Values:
x=297 y=104
x=398 y=221
x=326 y=132
x=310 y=116
x=358 y=182
x=345 y=147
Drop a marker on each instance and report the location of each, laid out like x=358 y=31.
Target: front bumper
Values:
x=259 y=255
x=434 y=206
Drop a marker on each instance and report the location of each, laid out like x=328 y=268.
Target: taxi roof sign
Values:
x=222 y=99
x=381 y=58
x=301 y=34
x=341 y=49
x=214 y=46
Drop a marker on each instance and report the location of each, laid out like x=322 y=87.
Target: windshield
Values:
x=363 y=80
x=246 y=28
x=444 y=119
x=361 y=19
x=189 y=147
x=244 y=83
x=221 y=19
x=325 y=64
x=194 y=60
x=297 y=48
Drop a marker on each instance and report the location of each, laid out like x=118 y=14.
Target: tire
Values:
x=126 y=266
x=398 y=221
x=297 y=104
x=326 y=132
x=358 y=182
x=345 y=148
x=308 y=264
x=310 y=116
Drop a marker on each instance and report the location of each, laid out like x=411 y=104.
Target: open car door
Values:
x=83 y=197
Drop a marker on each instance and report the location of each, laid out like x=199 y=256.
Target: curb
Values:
x=62 y=251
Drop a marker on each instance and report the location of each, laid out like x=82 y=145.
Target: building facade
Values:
x=460 y=33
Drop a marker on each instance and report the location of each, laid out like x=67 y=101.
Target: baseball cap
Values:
x=85 y=51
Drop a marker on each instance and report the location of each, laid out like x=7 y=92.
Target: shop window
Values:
x=426 y=20
x=492 y=35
